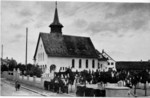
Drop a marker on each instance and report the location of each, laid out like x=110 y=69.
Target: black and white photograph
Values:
x=75 y=48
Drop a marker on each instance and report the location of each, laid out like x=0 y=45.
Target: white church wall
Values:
x=40 y=60
x=84 y=64
x=67 y=62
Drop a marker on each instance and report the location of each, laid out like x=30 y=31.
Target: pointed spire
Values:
x=56 y=25
x=56 y=4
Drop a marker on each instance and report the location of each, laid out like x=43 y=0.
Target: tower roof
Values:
x=56 y=19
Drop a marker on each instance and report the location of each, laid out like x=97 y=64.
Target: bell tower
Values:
x=56 y=26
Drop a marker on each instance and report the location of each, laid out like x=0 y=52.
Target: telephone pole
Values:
x=1 y=55
x=26 y=53
x=2 y=52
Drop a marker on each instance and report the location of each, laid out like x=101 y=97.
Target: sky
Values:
x=121 y=29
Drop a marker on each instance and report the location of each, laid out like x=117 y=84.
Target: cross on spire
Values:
x=56 y=4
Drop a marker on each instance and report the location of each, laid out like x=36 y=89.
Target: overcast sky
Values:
x=121 y=29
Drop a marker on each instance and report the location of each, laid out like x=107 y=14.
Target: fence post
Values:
x=27 y=77
x=41 y=79
x=18 y=73
x=34 y=78
x=22 y=77
x=14 y=74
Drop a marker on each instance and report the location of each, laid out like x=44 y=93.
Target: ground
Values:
x=8 y=89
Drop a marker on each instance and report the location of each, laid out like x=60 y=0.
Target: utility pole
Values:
x=2 y=55
x=26 y=47
x=2 y=52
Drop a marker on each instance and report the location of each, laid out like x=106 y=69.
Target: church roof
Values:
x=67 y=46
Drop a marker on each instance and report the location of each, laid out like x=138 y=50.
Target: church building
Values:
x=58 y=51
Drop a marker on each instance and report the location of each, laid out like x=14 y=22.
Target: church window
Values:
x=93 y=64
x=108 y=63
x=80 y=63
x=112 y=63
x=73 y=63
x=98 y=65
x=86 y=63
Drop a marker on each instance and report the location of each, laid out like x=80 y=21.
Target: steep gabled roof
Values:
x=67 y=46
x=107 y=56
x=101 y=57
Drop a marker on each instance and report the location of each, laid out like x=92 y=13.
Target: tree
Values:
x=29 y=66
x=21 y=67
x=12 y=65
x=122 y=75
x=4 y=68
x=71 y=77
x=35 y=70
x=135 y=80
x=30 y=69
x=144 y=78
x=89 y=77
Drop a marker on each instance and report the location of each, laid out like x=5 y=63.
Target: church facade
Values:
x=57 y=51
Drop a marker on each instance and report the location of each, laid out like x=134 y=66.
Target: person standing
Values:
x=16 y=85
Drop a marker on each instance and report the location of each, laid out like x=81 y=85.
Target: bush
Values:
x=4 y=68
x=30 y=69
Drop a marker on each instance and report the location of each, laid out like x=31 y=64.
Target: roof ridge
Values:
x=76 y=36
x=44 y=32
x=67 y=35
x=109 y=55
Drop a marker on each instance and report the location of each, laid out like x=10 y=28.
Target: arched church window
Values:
x=52 y=68
x=80 y=63
x=73 y=63
x=98 y=65
x=86 y=63
x=93 y=64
